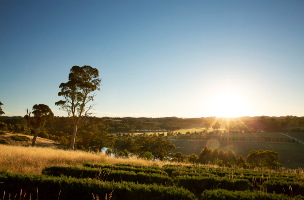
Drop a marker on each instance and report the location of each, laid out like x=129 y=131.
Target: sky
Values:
x=156 y=58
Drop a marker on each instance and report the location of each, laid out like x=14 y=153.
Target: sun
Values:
x=229 y=104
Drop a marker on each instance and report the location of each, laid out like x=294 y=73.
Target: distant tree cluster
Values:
x=261 y=158
x=156 y=145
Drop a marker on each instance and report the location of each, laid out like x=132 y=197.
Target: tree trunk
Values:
x=35 y=137
x=73 y=137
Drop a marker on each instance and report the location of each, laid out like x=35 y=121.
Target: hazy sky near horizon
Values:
x=157 y=58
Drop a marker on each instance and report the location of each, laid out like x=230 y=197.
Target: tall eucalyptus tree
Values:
x=77 y=94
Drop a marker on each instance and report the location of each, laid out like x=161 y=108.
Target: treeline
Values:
x=260 y=158
x=267 y=124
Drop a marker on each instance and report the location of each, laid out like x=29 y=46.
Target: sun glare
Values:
x=229 y=104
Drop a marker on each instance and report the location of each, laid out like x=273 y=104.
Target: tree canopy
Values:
x=263 y=158
x=1 y=111
x=77 y=94
x=42 y=113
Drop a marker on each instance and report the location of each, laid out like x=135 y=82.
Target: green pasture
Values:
x=297 y=135
x=291 y=154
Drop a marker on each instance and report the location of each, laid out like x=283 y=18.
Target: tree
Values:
x=179 y=156
x=263 y=158
x=77 y=93
x=148 y=155
x=108 y=152
x=216 y=126
x=193 y=158
x=101 y=139
x=1 y=111
x=241 y=162
x=42 y=113
x=126 y=153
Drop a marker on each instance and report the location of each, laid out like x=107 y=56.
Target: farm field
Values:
x=298 y=135
x=262 y=134
x=291 y=154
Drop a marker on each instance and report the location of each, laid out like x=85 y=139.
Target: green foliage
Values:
x=126 y=153
x=101 y=139
x=263 y=158
x=42 y=114
x=292 y=187
x=222 y=194
x=216 y=156
x=159 y=147
x=107 y=174
x=3 y=126
x=3 y=141
x=50 y=187
x=20 y=138
x=77 y=94
x=199 y=184
x=130 y=167
x=108 y=152
x=193 y=158
x=148 y=155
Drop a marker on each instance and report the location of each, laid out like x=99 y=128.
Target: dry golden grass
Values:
x=34 y=159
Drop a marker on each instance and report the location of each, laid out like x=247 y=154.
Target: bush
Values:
x=20 y=138
x=129 y=167
x=2 y=133
x=199 y=184
x=244 y=195
x=285 y=187
x=63 y=187
x=108 y=174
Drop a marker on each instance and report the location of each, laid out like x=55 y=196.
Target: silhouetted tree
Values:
x=77 y=93
x=42 y=113
x=1 y=111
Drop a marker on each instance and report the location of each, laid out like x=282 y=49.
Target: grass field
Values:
x=291 y=154
x=263 y=134
x=298 y=135
x=34 y=159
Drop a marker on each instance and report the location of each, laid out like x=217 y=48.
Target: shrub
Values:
x=63 y=187
x=20 y=138
x=108 y=174
x=244 y=195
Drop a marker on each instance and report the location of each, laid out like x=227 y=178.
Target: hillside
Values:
x=26 y=140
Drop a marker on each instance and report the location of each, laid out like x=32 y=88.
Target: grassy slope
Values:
x=34 y=159
x=40 y=142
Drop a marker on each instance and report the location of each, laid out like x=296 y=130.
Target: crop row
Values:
x=221 y=194
x=194 y=184
x=207 y=181
x=49 y=188
x=106 y=174
x=135 y=168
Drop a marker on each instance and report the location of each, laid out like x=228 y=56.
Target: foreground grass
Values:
x=34 y=159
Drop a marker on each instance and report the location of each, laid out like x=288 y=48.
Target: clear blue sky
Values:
x=156 y=58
